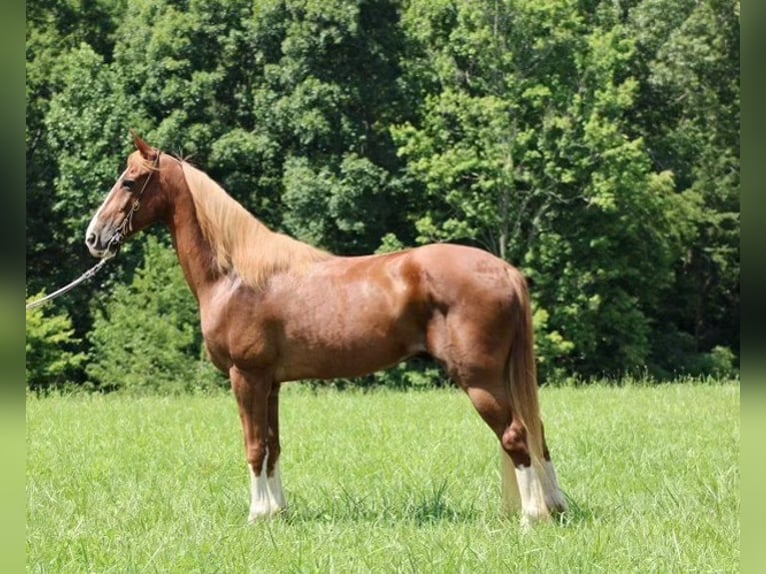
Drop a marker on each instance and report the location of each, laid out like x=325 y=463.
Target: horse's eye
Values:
x=128 y=183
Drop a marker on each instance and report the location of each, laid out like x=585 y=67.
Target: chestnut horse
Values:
x=273 y=309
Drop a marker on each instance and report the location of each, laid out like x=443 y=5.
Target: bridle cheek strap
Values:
x=127 y=224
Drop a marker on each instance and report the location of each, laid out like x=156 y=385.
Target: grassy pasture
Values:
x=383 y=482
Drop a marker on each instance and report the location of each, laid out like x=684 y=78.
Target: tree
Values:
x=51 y=356
x=68 y=47
x=593 y=144
x=524 y=146
x=688 y=113
x=329 y=92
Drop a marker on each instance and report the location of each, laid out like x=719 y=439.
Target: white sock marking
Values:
x=266 y=495
x=275 y=488
x=260 y=499
x=533 y=505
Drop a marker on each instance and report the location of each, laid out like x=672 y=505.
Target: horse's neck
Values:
x=195 y=254
x=205 y=259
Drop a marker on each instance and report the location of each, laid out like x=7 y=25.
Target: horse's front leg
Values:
x=274 y=450
x=253 y=392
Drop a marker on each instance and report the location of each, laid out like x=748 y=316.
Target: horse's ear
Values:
x=147 y=151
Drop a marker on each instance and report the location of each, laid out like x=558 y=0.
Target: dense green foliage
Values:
x=50 y=349
x=383 y=481
x=593 y=144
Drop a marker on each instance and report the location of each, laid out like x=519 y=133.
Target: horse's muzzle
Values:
x=103 y=249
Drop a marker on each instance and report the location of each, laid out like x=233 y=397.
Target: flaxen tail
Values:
x=522 y=370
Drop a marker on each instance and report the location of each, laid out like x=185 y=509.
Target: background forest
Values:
x=592 y=143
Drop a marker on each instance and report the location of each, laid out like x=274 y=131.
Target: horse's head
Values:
x=134 y=202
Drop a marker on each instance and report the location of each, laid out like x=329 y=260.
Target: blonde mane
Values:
x=239 y=241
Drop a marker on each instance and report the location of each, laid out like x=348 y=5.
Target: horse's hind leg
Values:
x=520 y=482
x=537 y=483
x=493 y=409
x=533 y=488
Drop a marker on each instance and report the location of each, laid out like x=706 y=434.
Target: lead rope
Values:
x=84 y=277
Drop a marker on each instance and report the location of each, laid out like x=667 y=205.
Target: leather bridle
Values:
x=126 y=226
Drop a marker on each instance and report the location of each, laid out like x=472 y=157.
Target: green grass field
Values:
x=383 y=482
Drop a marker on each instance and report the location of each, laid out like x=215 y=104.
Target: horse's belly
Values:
x=347 y=344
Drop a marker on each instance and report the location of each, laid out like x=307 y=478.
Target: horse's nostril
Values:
x=90 y=239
